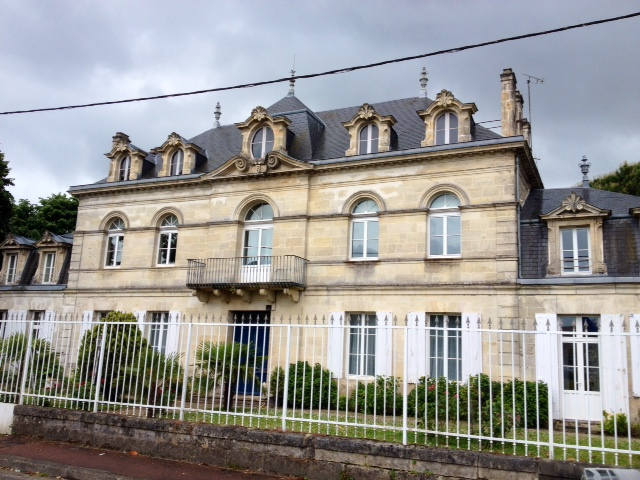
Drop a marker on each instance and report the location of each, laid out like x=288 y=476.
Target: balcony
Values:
x=242 y=276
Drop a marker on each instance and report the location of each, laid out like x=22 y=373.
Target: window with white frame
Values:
x=37 y=317
x=362 y=344
x=262 y=142
x=157 y=331
x=369 y=136
x=445 y=347
x=4 y=316
x=12 y=268
x=576 y=250
x=258 y=236
x=168 y=240
x=447 y=129
x=445 y=226
x=115 y=243
x=177 y=160
x=580 y=353
x=125 y=169
x=365 y=231
x=49 y=266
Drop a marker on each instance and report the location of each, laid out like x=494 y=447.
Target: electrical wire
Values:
x=333 y=72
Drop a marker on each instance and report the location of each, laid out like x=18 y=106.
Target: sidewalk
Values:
x=25 y=457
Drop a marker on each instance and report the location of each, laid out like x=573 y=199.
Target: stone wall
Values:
x=300 y=455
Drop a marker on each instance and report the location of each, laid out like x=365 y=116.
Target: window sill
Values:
x=165 y=265
x=363 y=260
x=443 y=257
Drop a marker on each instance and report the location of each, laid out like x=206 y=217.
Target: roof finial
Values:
x=292 y=82
x=423 y=83
x=584 y=167
x=217 y=114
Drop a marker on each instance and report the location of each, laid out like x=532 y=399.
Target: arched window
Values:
x=168 y=241
x=115 y=243
x=177 y=160
x=125 y=169
x=262 y=142
x=258 y=236
x=365 y=230
x=445 y=226
x=369 y=136
x=447 y=129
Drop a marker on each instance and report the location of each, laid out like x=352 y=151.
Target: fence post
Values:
x=550 y=400
x=405 y=386
x=286 y=380
x=183 y=400
x=27 y=361
x=103 y=341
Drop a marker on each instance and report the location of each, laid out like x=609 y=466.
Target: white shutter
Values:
x=416 y=332
x=614 y=381
x=47 y=325
x=11 y=325
x=384 y=344
x=634 y=339
x=335 y=346
x=470 y=324
x=547 y=356
x=141 y=317
x=172 y=344
x=87 y=320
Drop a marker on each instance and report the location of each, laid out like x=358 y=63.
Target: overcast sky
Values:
x=56 y=53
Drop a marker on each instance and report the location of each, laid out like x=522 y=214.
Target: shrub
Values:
x=436 y=400
x=382 y=396
x=309 y=387
x=615 y=424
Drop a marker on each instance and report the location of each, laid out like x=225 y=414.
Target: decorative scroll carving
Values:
x=366 y=111
x=242 y=163
x=259 y=113
x=445 y=98
x=273 y=161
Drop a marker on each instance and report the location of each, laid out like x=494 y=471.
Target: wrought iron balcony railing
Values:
x=287 y=271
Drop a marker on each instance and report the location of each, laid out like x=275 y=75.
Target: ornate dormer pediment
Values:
x=121 y=149
x=575 y=206
x=176 y=144
x=367 y=115
x=15 y=241
x=274 y=162
x=446 y=102
x=259 y=119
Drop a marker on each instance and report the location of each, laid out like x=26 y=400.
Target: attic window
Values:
x=262 y=142
x=447 y=129
x=369 y=139
x=125 y=169
x=177 y=160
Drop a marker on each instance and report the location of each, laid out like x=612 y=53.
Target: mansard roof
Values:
x=317 y=136
x=541 y=202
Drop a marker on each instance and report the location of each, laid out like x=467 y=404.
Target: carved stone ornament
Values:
x=242 y=164
x=259 y=113
x=573 y=203
x=272 y=161
x=366 y=111
x=174 y=139
x=445 y=98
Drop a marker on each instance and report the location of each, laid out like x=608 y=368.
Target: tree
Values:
x=626 y=179
x=6 y=199
x=57 y=214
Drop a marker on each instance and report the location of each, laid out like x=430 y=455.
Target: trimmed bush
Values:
x=309 y=387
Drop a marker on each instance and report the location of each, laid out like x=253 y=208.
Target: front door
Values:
x=581 y=368
x=252 y=328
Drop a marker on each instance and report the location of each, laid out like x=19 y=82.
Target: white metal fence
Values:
x=558 y=388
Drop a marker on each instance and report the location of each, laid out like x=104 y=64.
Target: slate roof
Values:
x=541 y=202
x=316 y=135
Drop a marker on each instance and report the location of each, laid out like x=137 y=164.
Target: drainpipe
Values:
x=518 y=207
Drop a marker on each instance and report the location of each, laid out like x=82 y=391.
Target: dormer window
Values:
x=369 y=132
x=262 y=142
x=125 y=169
x=369 y=137
x=177 y=160
x=12 y=268
x=576 y=250
x=49 y=268
x=447 y=129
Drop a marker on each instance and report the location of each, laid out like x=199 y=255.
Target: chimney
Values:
x=509 y=103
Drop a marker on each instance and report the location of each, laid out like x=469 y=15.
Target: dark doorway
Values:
x=253 y=328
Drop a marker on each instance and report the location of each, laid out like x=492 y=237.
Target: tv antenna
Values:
x=536 y=81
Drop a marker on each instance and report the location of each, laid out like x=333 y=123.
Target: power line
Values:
x=334 y=72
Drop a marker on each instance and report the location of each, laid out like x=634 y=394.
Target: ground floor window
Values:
x=37 y=316
x=100 y=315
x=362 y=344
x=157 y=331
x=4 y=316
x=445 y=346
